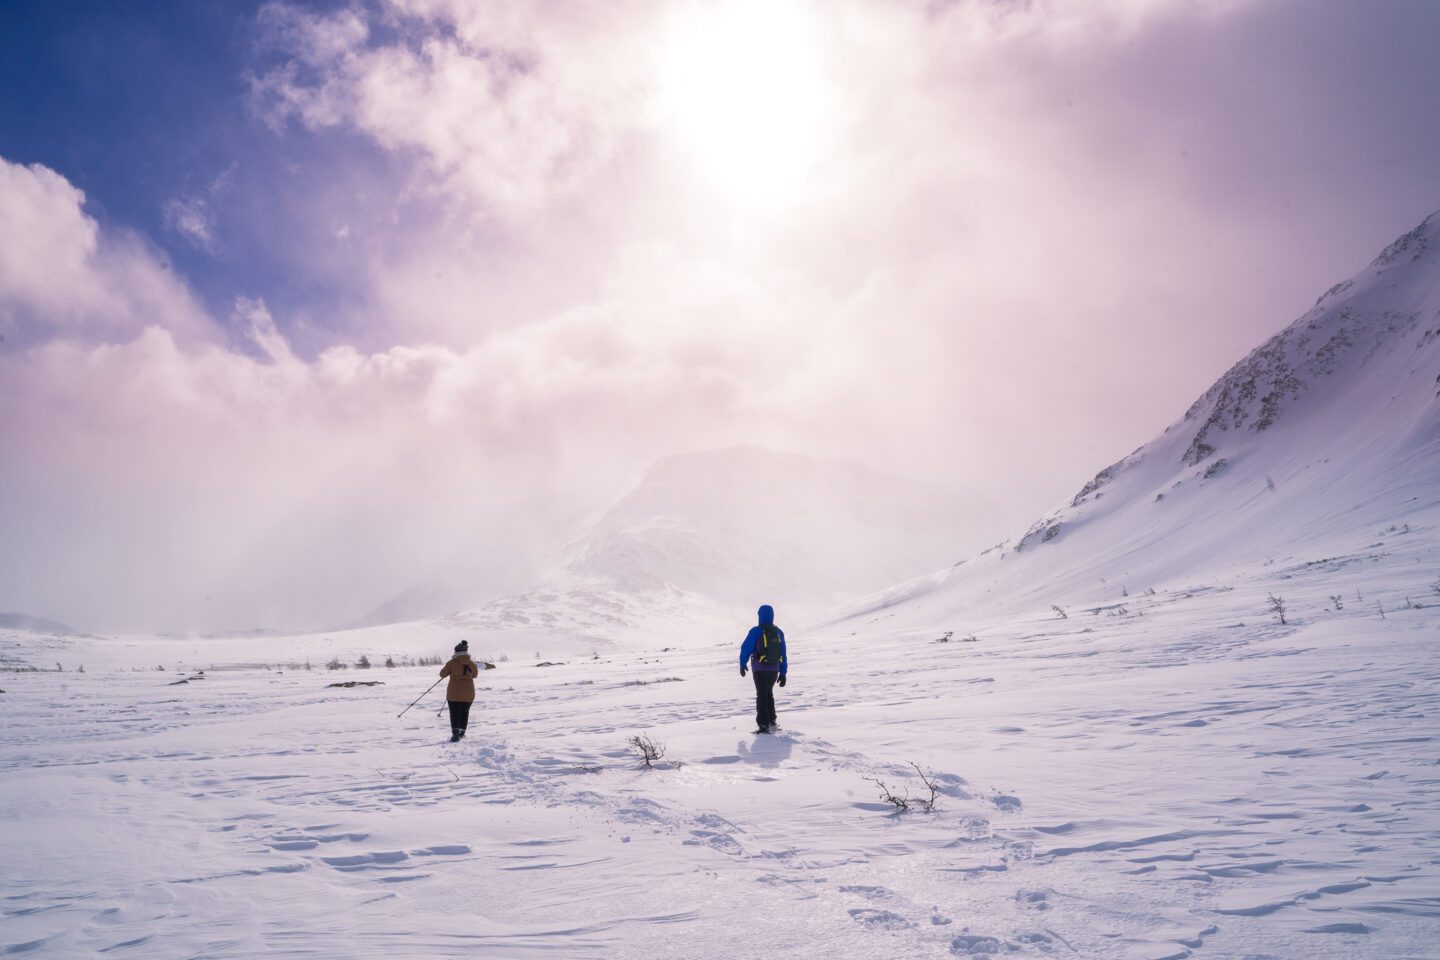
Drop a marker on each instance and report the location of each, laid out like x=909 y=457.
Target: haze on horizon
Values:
x=303 y=303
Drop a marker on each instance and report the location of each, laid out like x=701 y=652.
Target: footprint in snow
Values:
x=880 y=919
x=869 y=893
x=719 y=841
x=1019 y=849
x=715 y=822
x=1033 y=899
x=974 y=945
x=974 y=828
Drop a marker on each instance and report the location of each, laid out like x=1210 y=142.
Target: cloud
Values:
x=1029 y=236
x=154 y=478
x=192 y=218
x=61 y=275
x=507 y=103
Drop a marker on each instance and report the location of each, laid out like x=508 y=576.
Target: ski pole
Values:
x=419 y=698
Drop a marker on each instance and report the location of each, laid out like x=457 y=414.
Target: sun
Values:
x=742 y=90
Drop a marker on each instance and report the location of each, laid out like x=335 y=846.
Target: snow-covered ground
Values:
x=1186 y=778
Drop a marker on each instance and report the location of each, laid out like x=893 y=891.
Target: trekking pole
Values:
x=419 y=698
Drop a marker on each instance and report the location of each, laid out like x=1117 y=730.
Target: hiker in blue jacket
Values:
x=764 y=653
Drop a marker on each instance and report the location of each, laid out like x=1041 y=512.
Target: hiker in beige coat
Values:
x=460 y=692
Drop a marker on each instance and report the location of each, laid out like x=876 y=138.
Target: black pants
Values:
x=459 y=715
x=765 y=697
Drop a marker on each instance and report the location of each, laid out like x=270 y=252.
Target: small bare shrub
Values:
x=902 y=802
x=1277 y=607
x=926 y=804
x=1338 y=601
x=650 y=750
x=335 y=663
x=389 y=662
x=363 y=663
x=1059 y=613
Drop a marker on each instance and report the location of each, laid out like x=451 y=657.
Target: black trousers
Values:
x=459 y=714
x=765 y=697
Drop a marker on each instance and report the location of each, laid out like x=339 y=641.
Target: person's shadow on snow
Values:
x=767 y=750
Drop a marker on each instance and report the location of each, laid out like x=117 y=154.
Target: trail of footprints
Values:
x=556 y=781
x=496 y=775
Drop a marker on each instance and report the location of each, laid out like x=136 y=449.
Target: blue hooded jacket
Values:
x=747 y=649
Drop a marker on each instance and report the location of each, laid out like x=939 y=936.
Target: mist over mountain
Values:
x=718 y=532
x=1323 y=440
x=20 y=621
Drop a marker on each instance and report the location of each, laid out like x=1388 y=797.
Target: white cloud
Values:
x=506 y=114
x=192 y=218
x=61 y=275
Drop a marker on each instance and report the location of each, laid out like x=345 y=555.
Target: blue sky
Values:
x=140 y=104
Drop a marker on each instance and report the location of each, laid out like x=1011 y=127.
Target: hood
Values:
x=767 y=615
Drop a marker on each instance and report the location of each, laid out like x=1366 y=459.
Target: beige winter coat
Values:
x=462 y=672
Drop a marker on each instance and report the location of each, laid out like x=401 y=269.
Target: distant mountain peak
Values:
x=20 y=621
x=1359 y=371
x=1360 y=314
x=1414 y=245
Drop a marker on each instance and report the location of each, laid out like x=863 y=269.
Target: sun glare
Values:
x=742 y=88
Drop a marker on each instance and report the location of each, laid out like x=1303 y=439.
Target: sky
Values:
x=305 y=304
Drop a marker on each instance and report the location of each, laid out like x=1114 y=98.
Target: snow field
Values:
x=1187 y=779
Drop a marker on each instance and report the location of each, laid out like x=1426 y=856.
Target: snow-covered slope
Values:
x=1323 y=440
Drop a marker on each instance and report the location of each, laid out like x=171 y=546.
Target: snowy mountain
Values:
x=710 y=535
x=20 y=621
x=1321 y=440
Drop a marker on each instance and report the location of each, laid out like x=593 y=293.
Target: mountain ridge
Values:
x=1326 y=432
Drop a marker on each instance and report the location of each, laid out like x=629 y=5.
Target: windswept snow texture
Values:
x=1188 y=778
